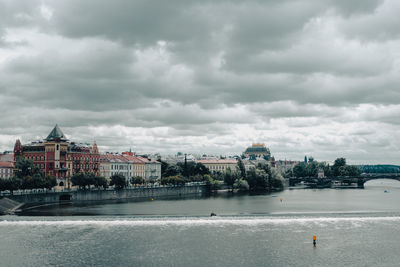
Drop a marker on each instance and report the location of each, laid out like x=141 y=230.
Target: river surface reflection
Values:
x=358 y=227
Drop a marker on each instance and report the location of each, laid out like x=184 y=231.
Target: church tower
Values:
x=17 y=150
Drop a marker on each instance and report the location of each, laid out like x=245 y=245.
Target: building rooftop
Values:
x=6 y=157
x=113 y=158
x=217 y=161
x=55 y=134
x=6 y=164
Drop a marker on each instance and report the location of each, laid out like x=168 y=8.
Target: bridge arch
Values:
x=383 y=182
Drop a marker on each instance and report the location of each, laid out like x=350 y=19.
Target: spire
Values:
x=17 y=147
x=95 y=150
x=56 y=133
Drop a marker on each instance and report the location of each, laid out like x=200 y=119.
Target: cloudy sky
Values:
x=306 y=77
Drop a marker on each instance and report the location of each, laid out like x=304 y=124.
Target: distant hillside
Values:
x=379 y=168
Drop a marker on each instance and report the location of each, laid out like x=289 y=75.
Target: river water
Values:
x=354 y=227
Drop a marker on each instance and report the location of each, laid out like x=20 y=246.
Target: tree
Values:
x=353 y=170
x=339 y=162
x=137 y=180
x=230 y=178
x=288 y=173
x=172 y=180
x=186 y=172
x=172 y=170
x=277 y=181
x=326 y=168
x=24 y=167
x=89 y=179
x=211 y=183
x=13 y=183
x=267 y=169
x=311 y=169
x=349 y=171
x=49 y=181
x=196 y=178
x=299 y=170
x=241 y=169
x=242 y=185
x=257 y=179
x=164 y=166
x=78 y=179
x=118 y=181
x=200 y=169
x=101 y=181
x=3 y=184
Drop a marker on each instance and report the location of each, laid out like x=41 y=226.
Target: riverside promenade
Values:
x=139 y=193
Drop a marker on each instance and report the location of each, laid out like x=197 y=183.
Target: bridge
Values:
x=327 y=182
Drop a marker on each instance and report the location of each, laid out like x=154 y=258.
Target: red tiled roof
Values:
x=113 y=158
x=6 y=164
x=135 y=160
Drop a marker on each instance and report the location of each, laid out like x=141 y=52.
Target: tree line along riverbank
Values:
x=263 y=177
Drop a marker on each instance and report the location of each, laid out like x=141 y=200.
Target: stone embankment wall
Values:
x=139 y=193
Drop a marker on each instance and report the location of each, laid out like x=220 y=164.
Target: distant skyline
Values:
x=317 y=77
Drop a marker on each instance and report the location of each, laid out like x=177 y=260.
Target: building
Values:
x=252 y=164
x=219 y=165
x=152 y=170
x=257 y=151
x=6 y=169
x=59 y=157
x=7 y=157
x=111 y=164
x=285 y=165
x=148 y=169
x=138 y=165
x=6 y=165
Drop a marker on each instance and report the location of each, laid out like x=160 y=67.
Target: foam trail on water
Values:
x=196 y=221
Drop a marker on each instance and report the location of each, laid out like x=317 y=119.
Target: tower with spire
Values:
x=17 y=150
x=94 y=149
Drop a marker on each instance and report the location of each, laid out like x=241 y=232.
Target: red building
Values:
x=56 y=156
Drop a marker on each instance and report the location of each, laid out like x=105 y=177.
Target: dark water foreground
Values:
x=353 y=228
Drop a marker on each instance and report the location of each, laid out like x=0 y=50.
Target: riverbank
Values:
x=133 y=193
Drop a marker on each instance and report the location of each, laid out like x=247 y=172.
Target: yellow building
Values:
x=138 y=165
x=219 y=165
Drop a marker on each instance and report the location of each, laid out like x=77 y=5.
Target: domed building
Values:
x=59 y=157
x=257 y=150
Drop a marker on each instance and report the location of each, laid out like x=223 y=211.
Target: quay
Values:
x=43 y=196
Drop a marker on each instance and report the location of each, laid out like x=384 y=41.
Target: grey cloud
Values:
x=309 y=77
x=379 y=26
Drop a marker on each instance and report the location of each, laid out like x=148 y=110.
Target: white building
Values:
x=6 y=169
x=152 y=169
